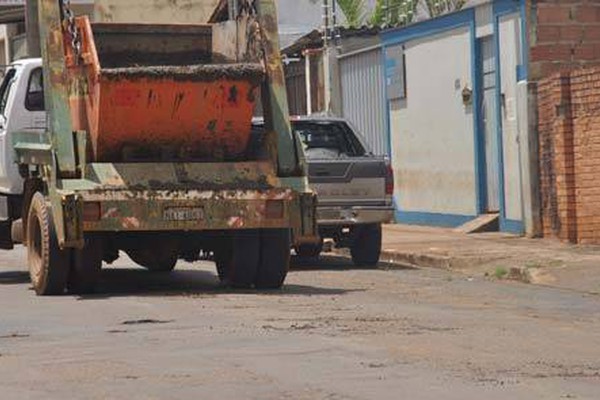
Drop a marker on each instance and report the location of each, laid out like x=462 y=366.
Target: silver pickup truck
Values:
x=353 y=186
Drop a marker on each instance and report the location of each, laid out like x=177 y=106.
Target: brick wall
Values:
x=564 y=34
x=569 y=141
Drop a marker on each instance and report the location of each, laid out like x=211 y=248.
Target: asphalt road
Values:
x=334 y=332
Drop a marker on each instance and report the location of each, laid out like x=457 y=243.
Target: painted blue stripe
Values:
x=388 y=123
x=432 y=219
x=478 y=142
x=524 y=70
x=499 y=127
x=503 y=8
x=511 y=226
x=506 y=6
x=521 y=73
x=428 y=27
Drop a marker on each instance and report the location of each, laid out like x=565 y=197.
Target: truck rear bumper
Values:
x=189 y=210
x=332 y=216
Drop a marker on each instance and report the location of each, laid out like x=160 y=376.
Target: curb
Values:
x=400 y=260
x=403 y=260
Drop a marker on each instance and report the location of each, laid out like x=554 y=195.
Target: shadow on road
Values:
x=123 y=281
x=139 y=282
x=14 y=277
x=331 y=262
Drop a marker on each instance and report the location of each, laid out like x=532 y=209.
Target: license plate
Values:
x=183 y=214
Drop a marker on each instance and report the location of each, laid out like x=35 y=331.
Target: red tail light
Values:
x=389 y=180
x=92 y=211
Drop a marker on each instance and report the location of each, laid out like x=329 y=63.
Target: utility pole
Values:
x=33 y=28
x=326 y=55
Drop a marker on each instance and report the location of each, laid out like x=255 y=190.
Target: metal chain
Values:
x=254 y=34
x=72 y=28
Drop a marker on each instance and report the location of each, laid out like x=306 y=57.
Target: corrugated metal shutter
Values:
x=295 y=82
x=363 y=96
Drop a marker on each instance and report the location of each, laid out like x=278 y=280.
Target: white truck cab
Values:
x=21 y=109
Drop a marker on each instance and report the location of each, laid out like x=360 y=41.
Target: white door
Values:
x=510 y=58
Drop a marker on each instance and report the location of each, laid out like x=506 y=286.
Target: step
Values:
x=483 y=223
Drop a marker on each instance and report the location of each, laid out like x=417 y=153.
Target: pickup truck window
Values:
x=329 y=139
x=5 y=89
x=35 y=91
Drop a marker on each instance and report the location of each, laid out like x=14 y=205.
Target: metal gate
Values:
x=363 y=95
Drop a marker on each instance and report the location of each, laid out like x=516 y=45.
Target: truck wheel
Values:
x=86 y=266
x=48 y=263
x=275 y=245
x=158 y=254
x=309 y=250
x=366 y=248
x=237 y=258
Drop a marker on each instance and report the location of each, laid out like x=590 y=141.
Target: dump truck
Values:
x=137 y=138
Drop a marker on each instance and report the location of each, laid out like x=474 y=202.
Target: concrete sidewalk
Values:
x=496 y=255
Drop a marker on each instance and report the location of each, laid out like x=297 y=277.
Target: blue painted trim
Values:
x=499 y=128
x=428 y=27
x=511 y=226
x=478 y=142
x=524 y=70
x=432 y=219
x=521 y=73
x=388 y=123
x=502 y=8
x=505 y=7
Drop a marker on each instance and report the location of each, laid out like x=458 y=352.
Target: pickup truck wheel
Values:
x=366 y=248
x=237 y=257
x=309 y=250
x=48 y=264
x=86 y=267
x=275 y=245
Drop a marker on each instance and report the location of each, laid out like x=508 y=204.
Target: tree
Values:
x=354 y=11
x=439 y=7
x=403 y=12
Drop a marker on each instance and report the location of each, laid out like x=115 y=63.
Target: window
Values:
x=5 y=89
x=328 y=139
x=35 y=91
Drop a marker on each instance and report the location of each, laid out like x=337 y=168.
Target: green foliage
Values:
x=439 y=7
x=399 y=12
x=354 y=11
x=403 y=12
x=500 y=273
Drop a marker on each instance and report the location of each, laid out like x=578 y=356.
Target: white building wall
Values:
x=432 y=130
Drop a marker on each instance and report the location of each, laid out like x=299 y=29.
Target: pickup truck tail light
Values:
x=389 y=180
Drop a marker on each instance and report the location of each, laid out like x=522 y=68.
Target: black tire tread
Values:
x=85 y=267
x=366 y=249
x=275 y=245
x=55 y=262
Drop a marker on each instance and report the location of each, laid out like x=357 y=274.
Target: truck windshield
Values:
x=5 y=89
x=328 y=139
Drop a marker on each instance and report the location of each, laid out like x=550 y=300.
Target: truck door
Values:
x=7 y=94
x=22 y=109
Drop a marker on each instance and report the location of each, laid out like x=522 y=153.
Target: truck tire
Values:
x=48 y=264
x=237 y=257
x=160 y=263
x=366 y=248
x=86 y=267
x=275 y=245
x=158 y=255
